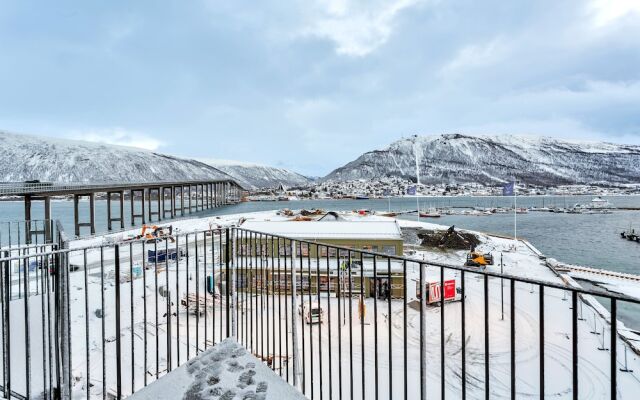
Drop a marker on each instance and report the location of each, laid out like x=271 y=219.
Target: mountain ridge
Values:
x=494 y=159
x=259 y=176
x=29 y=157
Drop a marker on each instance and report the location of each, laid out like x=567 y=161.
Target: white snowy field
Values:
x=336 y=344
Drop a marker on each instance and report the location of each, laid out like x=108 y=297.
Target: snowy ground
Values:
x=147 y=342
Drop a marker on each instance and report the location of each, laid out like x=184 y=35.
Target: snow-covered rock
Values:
x=257 y=176
x=457 y=158
x=25 y=157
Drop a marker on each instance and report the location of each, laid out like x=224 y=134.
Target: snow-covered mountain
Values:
x=457 y=158
x=25 y=157
x=257 y=176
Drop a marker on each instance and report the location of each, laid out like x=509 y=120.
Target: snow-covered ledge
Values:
x=225 y=371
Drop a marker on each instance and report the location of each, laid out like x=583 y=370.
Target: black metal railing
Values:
x=408 y=348
x=15 y=234
x=336 y=322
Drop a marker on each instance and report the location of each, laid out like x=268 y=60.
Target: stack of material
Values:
x=306 y=213
x=301 y=218
x=449 y=239
x=198 y=304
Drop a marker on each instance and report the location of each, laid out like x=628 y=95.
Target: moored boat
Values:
x=430 y=213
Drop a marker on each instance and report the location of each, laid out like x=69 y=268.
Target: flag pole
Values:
x=515 y=212
x=415 y=149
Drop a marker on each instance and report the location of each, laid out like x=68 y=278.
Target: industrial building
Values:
x=325 y=268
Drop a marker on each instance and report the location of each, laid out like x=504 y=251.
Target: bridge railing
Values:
x=335 y=322
x=21 y=188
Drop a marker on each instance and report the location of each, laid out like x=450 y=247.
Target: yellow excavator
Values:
x=478 y=259
x=156 y=233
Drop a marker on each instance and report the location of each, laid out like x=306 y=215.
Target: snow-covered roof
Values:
x=380 y=230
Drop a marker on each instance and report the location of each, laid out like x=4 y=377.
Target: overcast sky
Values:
x=310 y=85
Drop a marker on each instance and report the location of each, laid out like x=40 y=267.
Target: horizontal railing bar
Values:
x=593 y=292
x=24 y=221
x=107 y=245
x=26 y=246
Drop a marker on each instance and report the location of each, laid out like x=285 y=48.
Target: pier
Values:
x=157 y=200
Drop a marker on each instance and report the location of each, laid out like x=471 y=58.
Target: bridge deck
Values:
x=60 y=189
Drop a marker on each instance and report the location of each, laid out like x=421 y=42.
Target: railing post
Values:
x=6 y=350
x=423 y=323
x=227 y=256
x=117 y=315
x=234 y=286
x=64 y=321
x=294 y=321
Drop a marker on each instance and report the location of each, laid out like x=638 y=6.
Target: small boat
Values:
x=430 y=213
x=542 y=209
x=597 y=204
x=600 y=203
x=630 y=234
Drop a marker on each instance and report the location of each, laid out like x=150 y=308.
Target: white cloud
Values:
x=118 y=136
x=478 y=55
x=356 y=27
x=607 y=11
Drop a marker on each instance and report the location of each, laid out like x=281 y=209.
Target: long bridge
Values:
x=160 y=198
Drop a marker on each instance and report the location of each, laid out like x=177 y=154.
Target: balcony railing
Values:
x=104 y=321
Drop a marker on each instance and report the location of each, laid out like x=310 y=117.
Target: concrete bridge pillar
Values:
x=47 y=219
x=197 y=189
x=31 y=226
x=120 y=218
x=173 y=201
x=92 y=215
x=158 y=211
x=170 y=211
x=132 y=196
x=159 y=203
x=182 y=200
